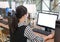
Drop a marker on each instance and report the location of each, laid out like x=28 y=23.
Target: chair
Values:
x=57 y=32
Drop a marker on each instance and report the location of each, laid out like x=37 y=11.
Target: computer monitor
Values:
x=47 y=20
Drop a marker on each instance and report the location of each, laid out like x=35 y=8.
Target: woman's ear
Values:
x=26 y=15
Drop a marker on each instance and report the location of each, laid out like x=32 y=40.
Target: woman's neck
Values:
x=21 y=20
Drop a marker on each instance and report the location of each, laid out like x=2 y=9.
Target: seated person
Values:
x=21 y=32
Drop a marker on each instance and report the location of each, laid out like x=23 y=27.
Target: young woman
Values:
x=20 y=32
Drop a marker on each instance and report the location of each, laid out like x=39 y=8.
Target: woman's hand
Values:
x=49 y=37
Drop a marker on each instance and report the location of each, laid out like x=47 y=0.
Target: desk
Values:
x=41 y=35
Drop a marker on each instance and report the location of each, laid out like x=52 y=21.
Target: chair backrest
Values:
x=57 y=32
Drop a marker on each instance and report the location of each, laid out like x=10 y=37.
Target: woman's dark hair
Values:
x=20 y=11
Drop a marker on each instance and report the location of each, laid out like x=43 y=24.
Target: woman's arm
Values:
x=31 y=36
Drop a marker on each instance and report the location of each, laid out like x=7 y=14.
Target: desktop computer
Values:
x=47 y=21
